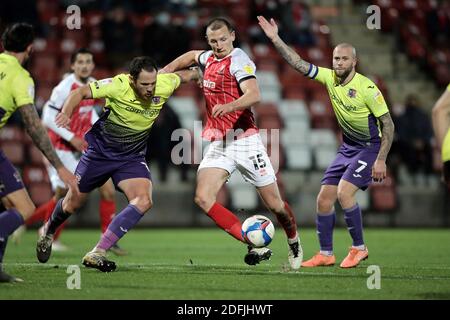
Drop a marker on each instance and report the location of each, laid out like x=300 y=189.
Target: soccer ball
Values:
x=258 y=231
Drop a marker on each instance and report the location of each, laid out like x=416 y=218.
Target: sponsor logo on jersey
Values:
x=209 y=84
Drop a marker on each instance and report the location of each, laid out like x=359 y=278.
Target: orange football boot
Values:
x=354 y=257
x=319 y=260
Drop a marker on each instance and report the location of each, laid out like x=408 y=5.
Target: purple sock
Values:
x=123 y=222
x=325 y=225
x=354 y=224
x=10 y=220
x=57 y=218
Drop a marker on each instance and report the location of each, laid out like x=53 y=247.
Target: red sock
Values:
x=226 y=220
x=289 y=225
x=40 y=213
x=107 y=211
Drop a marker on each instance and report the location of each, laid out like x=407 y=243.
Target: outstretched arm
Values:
x=187 y=75
x=271 y=31
x=182 y=62
x=440 y=117
x=387 y=131
x=74 y=99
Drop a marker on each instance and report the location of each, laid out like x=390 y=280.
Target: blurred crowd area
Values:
x=116 y=31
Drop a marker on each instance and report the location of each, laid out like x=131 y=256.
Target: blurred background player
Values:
x=69 y=143
x=117 y=148
x=368 y=132
x=17 y=93
x=230 y=89
x=441 y=125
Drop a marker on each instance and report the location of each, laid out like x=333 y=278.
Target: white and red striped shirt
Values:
x=221 y=79
x=82 y=118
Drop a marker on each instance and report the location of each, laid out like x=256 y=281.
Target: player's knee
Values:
x=143 y=203
x=324 y=204
x=202 y=200
x=344 y=198
x=276 y=206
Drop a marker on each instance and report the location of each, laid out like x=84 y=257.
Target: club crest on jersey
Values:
x=156 y=99
x=351 y=93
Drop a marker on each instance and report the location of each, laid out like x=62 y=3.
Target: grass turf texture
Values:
x=208 y=264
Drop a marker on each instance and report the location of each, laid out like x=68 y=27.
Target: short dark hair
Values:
x=142 y=63
x=17 y=37
x=218 y=23
x=74 y=55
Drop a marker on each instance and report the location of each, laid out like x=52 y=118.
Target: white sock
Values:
x=326 y=253
x=294 y=239
x=361 y=247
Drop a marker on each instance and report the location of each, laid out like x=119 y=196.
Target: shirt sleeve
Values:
x=48 y=119
x=374 y=100
x=242 y=67
x=203 y=57
x=322 y=75
x=23 y=90
x=170 y=81
x=58 y=96
x=106 y=88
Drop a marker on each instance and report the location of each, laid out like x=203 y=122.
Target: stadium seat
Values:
x=384 y=197
x=34 y=174
x=299 y=157
x=244 y=197
x=14 y=151
x=323 y=156
x=323 y=137
x=363 y=199
x=11 y=133
x=293 y=136
x=186 y=109
x=293 y=108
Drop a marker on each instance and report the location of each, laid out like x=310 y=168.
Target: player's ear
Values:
x=233 y=35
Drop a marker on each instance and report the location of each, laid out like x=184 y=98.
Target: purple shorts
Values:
x=95 y=169
x=10 y=180
x=353 y=164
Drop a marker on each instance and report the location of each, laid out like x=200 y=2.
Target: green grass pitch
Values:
x=208 y=264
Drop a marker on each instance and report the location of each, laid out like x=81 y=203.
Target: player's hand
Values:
x=69 y=179
x=379 y=171
x=270 y=29
x=79 y=144
x=221 y=110
x=200 y=76
x=62 y=120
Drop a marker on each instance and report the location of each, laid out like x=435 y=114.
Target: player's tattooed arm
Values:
x=38 y=133
x=271 y=31
x=291 y=56
x=387 y=131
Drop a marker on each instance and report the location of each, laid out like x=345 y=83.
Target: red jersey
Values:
x=82 y=118
x=221 y=79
